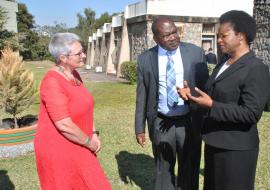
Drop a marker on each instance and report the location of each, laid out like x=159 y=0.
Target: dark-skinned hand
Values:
x=202 y=100
x=182 y=92
x=140 y=139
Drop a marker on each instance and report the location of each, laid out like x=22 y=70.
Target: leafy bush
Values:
x=210 y=68
x=34 y=47
x=129 y=71
x=17 y=86
x=8 y=39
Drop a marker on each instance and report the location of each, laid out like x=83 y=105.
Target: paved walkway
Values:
x=92 y=76
x=86 y=74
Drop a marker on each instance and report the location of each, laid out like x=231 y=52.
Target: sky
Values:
x=47 y=12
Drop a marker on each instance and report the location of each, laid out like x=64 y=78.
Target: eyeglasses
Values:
x=80 y=53
x=167 y=36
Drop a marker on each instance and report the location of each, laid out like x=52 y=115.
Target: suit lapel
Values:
x=234 y=67
x=154 y=62
x=214 y=73
x=185 y=60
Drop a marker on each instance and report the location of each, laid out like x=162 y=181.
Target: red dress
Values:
x=62 y=164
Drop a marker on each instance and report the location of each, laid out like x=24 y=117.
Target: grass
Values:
x=127 y=165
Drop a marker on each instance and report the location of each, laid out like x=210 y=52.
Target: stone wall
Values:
x=261 y=45
x=192 y=33
x=117 y=41
x=137 y=38
x=151 y=42
x=189 y=32
x=97 y=51
x=141 y=37
x=104 y=50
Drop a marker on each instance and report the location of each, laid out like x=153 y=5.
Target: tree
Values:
x=87 y=20
x=17 y=87
x=44 y=34
x=6 y=37
x=88 y=24
x=85 y=26
x=42 y=48
x=24 y=18
x=104 y=18
x=3 y=17
x=29 y=41
x=47 y=30
x=28 y=38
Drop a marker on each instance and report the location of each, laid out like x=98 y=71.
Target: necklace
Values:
x=74 y=81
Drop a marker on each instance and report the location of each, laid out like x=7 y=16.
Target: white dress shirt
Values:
x=163 y=108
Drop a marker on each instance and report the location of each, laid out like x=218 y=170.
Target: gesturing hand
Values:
x=202 y=100
x=182 y=92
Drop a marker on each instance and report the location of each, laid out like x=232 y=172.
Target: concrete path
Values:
x=86 y=74
x=92 y=76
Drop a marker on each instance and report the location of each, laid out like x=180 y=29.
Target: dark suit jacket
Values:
x=211 y=58
x=195 y=72
x=239 y=95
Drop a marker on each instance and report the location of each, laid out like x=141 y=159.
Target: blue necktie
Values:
x=172 y=96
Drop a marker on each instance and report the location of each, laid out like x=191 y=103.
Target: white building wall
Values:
x=117 y=20
x=135 y=9
x=197 y=8
x=10 y=8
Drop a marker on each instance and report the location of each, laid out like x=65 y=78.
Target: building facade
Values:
x=130 y=34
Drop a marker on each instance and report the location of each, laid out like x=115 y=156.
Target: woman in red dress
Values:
x=66 y=142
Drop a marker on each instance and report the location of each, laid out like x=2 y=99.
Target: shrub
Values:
x=210 y=68
x=129 y=71
x=17 y=87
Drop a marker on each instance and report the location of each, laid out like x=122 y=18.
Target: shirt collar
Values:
x=162 y=51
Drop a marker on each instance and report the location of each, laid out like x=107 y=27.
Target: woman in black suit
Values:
x=236 y=94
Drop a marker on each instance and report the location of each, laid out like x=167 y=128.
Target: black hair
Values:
x=241 y=22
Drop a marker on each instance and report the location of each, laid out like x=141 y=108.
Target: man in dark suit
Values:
x=173 y=125
x=211 y=58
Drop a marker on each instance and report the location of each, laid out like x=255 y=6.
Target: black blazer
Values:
x=211 y=58
x=240 y=94
x=195 y=72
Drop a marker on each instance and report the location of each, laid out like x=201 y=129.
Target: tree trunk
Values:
x=15 y=122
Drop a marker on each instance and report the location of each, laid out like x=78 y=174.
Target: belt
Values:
x=176 y=117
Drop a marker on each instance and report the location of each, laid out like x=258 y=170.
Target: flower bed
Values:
x=23 y=135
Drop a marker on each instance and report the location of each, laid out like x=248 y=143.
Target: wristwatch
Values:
x=96 y=132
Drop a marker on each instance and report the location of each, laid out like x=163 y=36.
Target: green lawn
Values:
x=128 y=166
